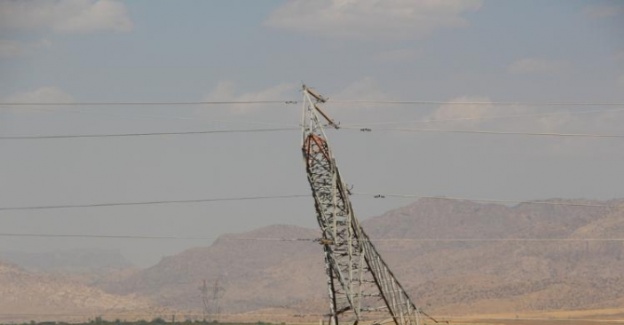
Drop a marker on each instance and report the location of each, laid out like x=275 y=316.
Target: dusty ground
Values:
x=581 y=317
x=285 y=316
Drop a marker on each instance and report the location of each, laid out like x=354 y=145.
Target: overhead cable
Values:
x=480 y=103
x=492 y=132
x=315 y=240
x=115 y=103
x=113 y=204
x=497 y=201
x=70 y=136
x=473 y=118
x=290 y=196
x=331 y=101
x=486 y=132
x=38 y=235
x=455 y=239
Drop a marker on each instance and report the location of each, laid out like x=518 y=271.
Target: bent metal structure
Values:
x=362 y=288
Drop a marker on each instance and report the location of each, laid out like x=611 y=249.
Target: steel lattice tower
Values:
x=362 y=289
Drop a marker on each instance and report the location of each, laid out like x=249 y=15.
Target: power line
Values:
x=426 y=102
x=133 y=115
x=498 y=239
x=314 y=240
x=71 y=136
x=292 y=102
x=247 y=198
x=595 y=111
x=113 y=204
x=37 y=235
x=448 y=239
x=117 y=103
x=449 y=198
x=117 y=135
x=491 y=132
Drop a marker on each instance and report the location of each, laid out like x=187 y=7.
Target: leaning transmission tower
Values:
x=362 y=288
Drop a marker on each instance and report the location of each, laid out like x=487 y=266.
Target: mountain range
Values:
x=453 y=257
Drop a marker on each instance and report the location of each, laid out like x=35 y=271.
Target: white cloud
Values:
x=366 y=88
x=223 y=92
x=487 y=115
x=602 y=11
x=226 y=91
x=481 y=112
x=356 y=113
x=537 y=66
x=371 y=19
x=453 y=113
x=65 y=16
x=13 y=49
x=41 y=95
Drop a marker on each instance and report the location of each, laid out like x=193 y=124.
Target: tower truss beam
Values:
x=362 y=289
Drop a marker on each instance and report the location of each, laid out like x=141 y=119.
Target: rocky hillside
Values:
x=27 y=295
x=254 y=271
x=453 y=256
x=76 y=261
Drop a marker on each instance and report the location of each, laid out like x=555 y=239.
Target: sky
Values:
x=75 y=51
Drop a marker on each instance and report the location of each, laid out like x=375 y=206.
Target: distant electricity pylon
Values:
x=362 y=289
x=212 y=307
x=204 y=296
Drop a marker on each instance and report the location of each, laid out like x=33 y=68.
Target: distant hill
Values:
x=254 y=273
x=26 y=295
x=533 y=261
x=98 y=261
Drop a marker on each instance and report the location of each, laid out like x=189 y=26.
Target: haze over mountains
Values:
x=98 y=261
x=454 y=257
x=26 y=295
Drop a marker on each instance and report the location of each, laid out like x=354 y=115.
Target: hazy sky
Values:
x=151 y=51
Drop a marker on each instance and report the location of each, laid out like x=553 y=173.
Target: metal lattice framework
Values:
x=362 y=289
